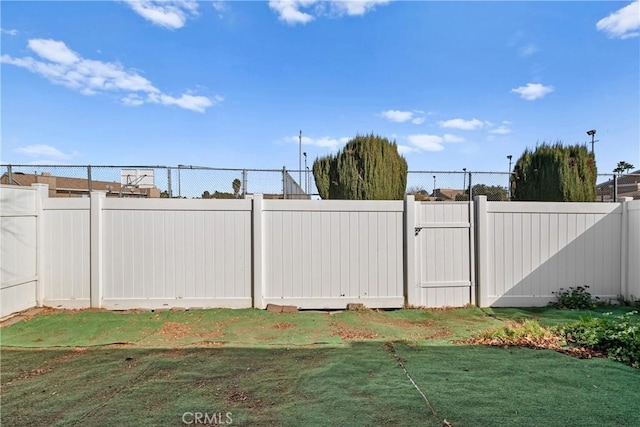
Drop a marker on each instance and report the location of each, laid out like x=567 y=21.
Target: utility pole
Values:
x=592 y=134
x=464 y=180
x=434 y=186
x=509 y=188
x=306 y=181
x=300 y=159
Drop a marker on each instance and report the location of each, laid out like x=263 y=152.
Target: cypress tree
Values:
x=367 y=168
x=555 y=173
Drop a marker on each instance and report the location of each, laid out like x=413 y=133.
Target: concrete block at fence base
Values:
x=273 y=308
x=356 y=306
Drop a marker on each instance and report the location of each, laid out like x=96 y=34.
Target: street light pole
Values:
x=434 y=186
x=592 y=134
x=464 y=180
x=509 y=188
x=306 y=190
x=300 y=159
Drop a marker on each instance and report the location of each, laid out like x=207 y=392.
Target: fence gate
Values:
x=444 y=254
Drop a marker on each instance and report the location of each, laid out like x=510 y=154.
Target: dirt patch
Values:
x=400 y=323
x=49 y=365
x=439 y=334
x=175 y=330
x=244 y=398
x=352 y=333
x=283 y=325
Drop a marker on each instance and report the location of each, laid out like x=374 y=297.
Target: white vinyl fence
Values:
x=319 y=254
x=19 y=233
x=440 y=262
x=529 y=250
x=155 y=253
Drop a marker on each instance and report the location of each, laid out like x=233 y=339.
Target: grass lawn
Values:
x=308 y=368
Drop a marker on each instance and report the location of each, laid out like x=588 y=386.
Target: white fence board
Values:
x=18 y=249
x=633 y=249
x=325 y=254
x=66 y=253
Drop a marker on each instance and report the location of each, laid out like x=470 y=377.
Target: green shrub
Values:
x=528 y=333
x=631 y=302
x=555 y=173
x=369 y=167
x=618 y=336
x=574 y=298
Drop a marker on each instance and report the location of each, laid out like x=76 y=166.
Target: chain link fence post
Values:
x=89 y=183
x=244 y=183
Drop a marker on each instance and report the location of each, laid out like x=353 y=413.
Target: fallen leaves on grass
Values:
x=283 y=325
x=175 y=330
x=530 y=334
x=352 y=333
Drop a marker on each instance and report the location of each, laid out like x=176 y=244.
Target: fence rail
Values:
x=194 y=182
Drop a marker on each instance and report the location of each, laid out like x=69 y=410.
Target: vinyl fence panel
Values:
x=66 y=252
x=328 y=253
x=18 y=247
x=633 y=250
x=530 y=250
x=176 y=253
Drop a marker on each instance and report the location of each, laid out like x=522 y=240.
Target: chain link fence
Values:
x=180 y=181
x=186 y=181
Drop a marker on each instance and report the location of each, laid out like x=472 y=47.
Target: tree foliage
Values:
x=217 y=195
x=236 y=185
x=555 y=173
x=622 y=167
x=367 y=168
x=494 y=193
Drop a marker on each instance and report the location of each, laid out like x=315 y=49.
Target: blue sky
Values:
x=230 y=84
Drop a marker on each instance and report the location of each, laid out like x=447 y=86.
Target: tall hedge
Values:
x=555 y=173
x=367 y=168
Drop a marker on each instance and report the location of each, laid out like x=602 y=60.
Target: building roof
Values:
x=65 y=186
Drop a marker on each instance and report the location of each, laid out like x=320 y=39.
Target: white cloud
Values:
x=186 y=101
x=400 y=116
x=447 y=137
x=322 y=142
x=356 y=7
x=463 y=124
x=528 y=50
x=289 y=10
x=304 y=11
x=43 y=150
x=501 y=130
x=53 y=50
x=65 y=67
x=220 y=7
x=426 y=142
x=623 y=23
x=10 y=32
x=533 y=91
x=132 y=100
x=397 y=116
x=405 y=149
x=172 y=14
